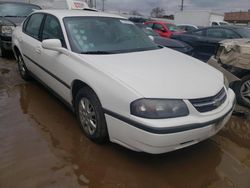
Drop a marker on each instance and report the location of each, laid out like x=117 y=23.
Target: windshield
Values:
x=101 y=35
x=172 y=27
x=244 y=32
x=16 y=9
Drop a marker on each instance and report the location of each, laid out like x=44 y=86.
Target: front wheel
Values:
x=90 y=115
x=242 y=91
x=22 y=68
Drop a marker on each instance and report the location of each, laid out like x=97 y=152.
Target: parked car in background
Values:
x=11 y=15
x=206 y=40
x=164 y=29
x=122 y=86
x=166 y=42
x=233 y=59
x=187 y=27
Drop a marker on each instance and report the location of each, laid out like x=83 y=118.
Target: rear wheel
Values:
x=22 y=68
x=242 y=91
x=90 y=115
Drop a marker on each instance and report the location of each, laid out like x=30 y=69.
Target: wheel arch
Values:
x=16 y=51
x=76 y=86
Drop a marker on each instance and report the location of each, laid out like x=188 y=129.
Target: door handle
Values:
x=38 y=50
x=20 y=39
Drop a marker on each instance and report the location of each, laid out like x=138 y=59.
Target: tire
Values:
x=3 y=52
x=90 y=115
x=242 y=90
x=23 y=71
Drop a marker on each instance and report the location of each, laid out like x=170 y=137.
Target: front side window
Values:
x=52 y=29
x=172 y=27
x=231 y=34
x=101 y=35
x=33 y=25
x=16 y=9
x=244 y=32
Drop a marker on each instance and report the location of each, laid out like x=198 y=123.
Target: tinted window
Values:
x=199 y=33
x=214 y=23
x=52 y=29
x=16 y=9
x=244 y=32
x=33 y=25
x=158 y=27
x=216 y=33
x=231 y=34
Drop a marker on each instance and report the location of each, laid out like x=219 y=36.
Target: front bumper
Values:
x=170 y=134
x=6 y=42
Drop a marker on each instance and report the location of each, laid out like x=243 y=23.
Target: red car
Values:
x=164 y=29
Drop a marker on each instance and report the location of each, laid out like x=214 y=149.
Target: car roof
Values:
x=76 y=13
x=160 y=22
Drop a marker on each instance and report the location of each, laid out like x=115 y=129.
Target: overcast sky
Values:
x=145 y=6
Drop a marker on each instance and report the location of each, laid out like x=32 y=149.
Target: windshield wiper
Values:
x=96 y=52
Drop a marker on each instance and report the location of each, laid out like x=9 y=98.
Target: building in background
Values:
x=238 y=17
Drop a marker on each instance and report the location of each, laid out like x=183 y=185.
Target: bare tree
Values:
x=157 y=12
x=135 y=12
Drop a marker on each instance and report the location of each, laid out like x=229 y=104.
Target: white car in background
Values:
x=122 y=86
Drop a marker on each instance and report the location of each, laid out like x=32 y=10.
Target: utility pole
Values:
x=103 y=5
x=182 y=5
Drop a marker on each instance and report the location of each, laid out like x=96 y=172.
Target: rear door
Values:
x=30 y=42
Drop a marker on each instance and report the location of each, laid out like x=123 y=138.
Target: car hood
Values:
x=162 y=73
x=10 y=20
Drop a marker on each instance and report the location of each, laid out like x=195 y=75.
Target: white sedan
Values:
x=122 y=86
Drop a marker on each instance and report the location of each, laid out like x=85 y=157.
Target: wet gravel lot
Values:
x=41 y=145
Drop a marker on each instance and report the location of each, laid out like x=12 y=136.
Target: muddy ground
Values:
x=41 y=145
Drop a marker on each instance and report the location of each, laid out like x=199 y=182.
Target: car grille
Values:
x=209 y=103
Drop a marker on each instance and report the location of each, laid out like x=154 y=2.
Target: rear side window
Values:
x=33 y=26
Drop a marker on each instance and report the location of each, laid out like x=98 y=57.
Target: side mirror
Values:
x=52 y=44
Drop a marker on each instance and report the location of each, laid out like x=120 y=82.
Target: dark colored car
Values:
x=11 y=15
x=205 y=41
x=167 y=42
x=164 y=29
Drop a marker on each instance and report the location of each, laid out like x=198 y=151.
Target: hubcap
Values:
x=87 y=116
x=21 y=66
x=245 y=91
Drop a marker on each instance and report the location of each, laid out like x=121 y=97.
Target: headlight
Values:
x=226 y=83
x=158 y=108
x=7 y=29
